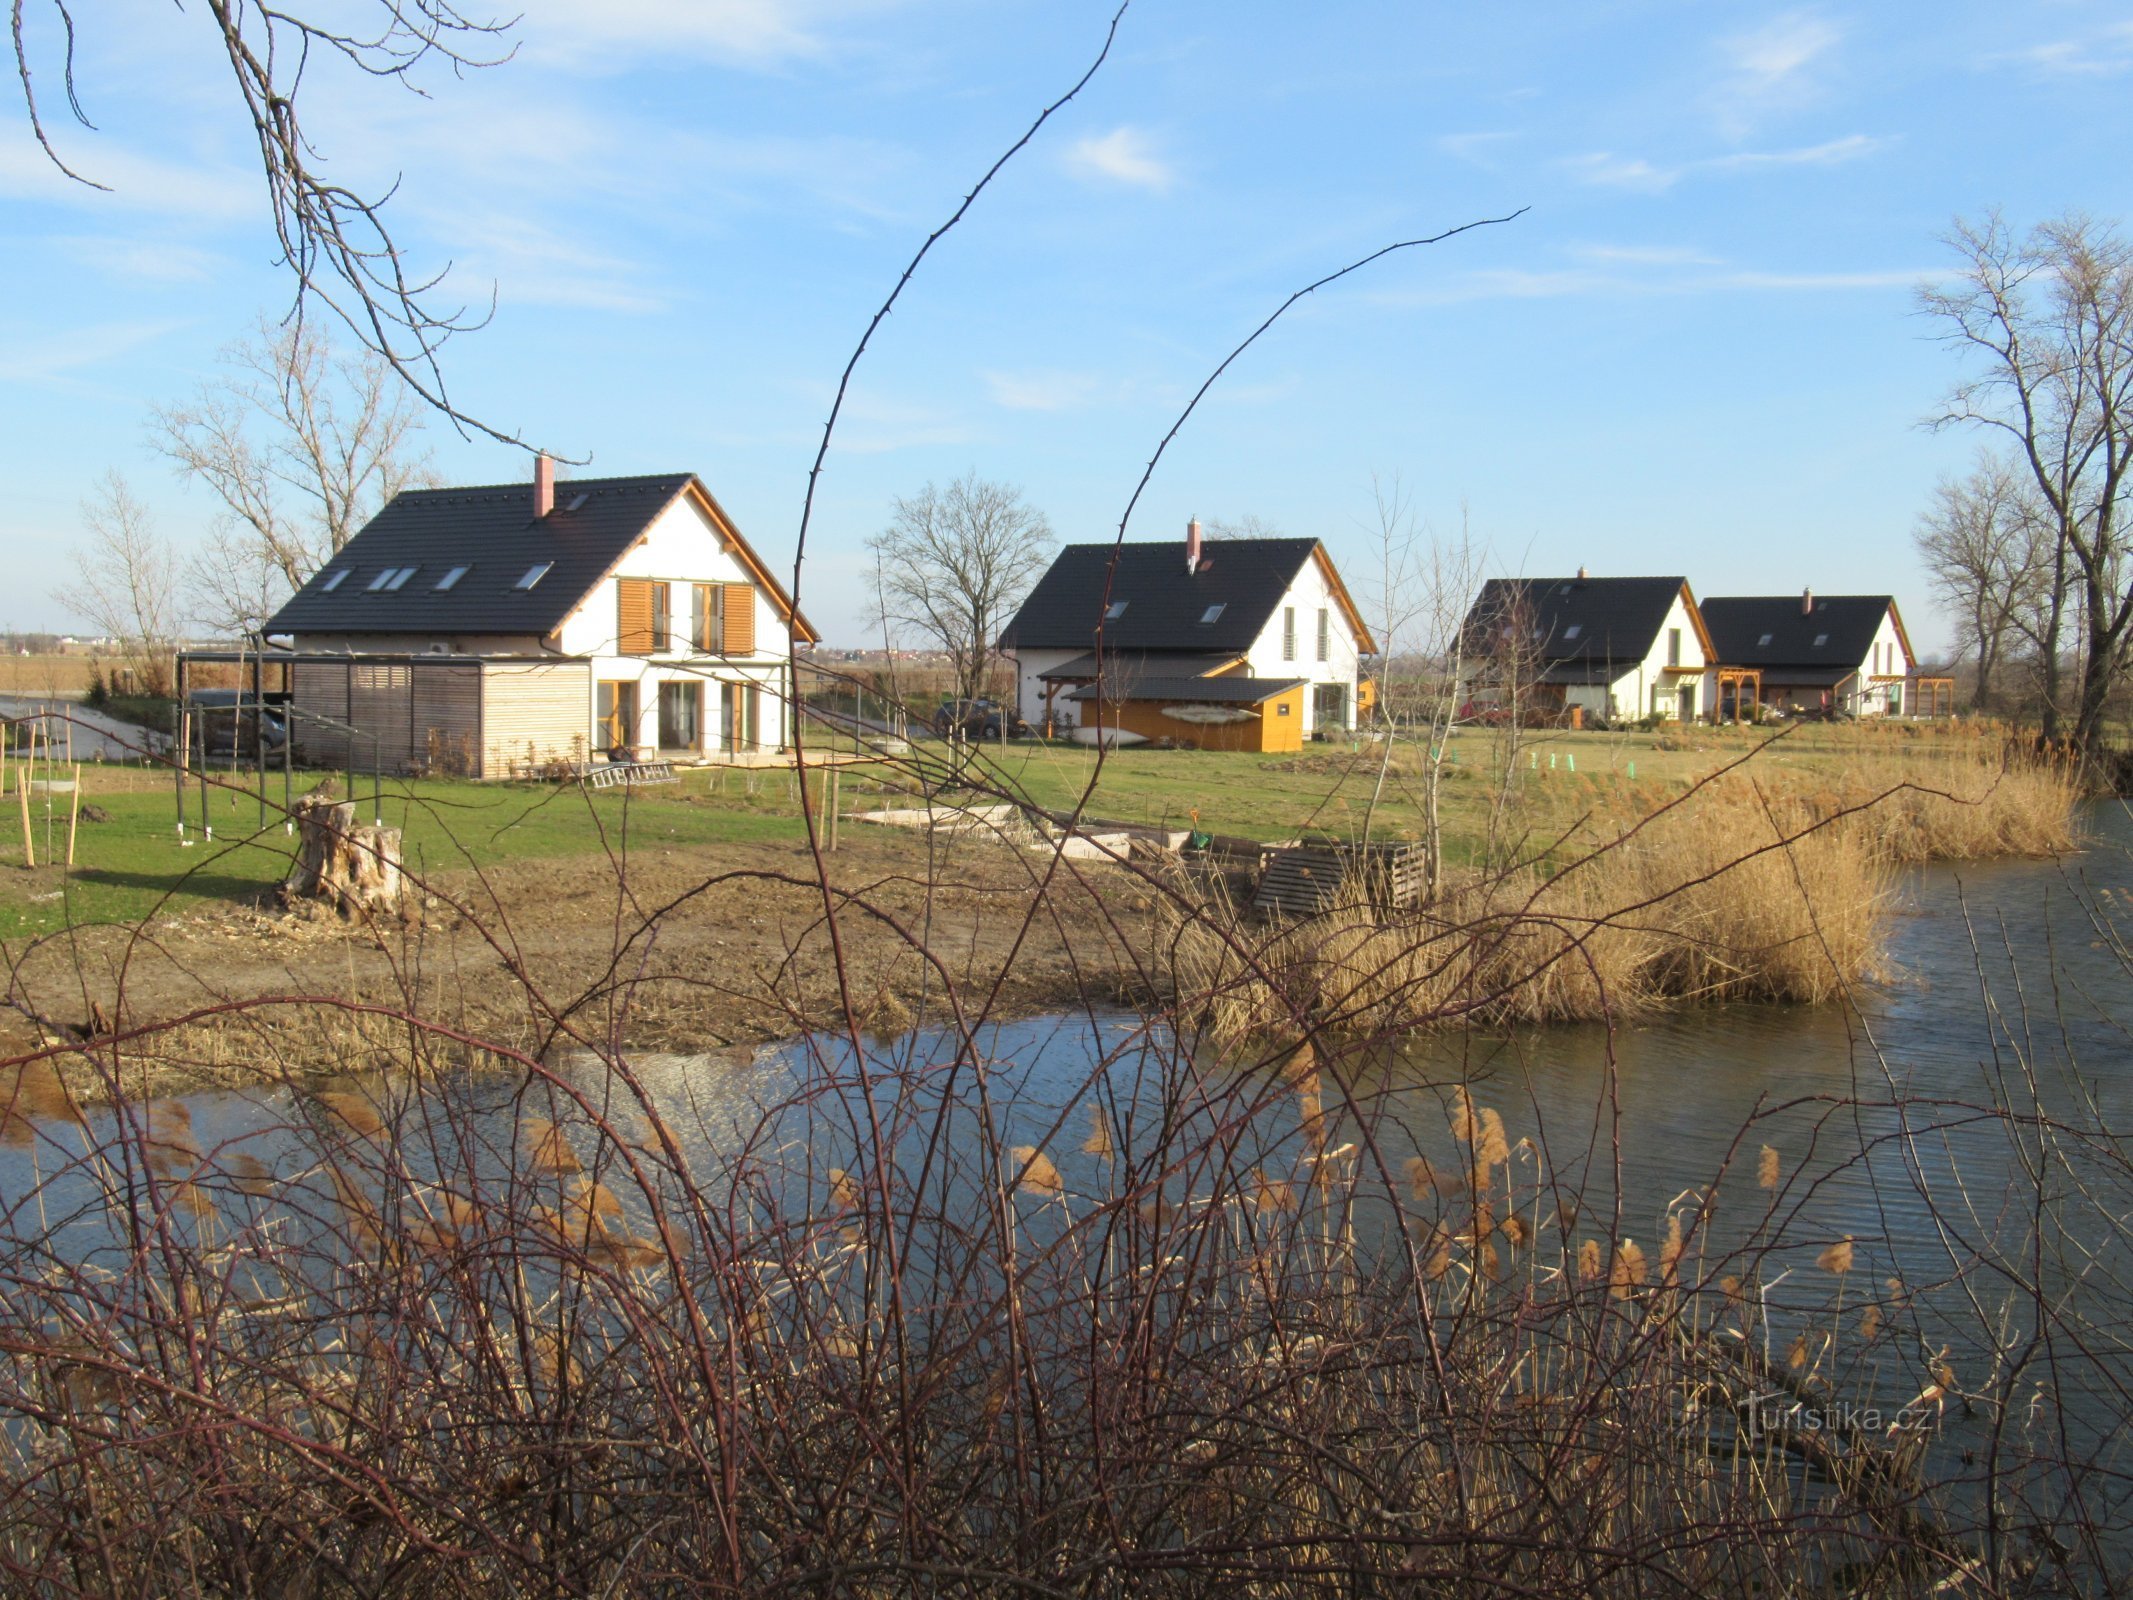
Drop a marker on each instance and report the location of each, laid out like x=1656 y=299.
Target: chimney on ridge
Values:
x=1807 y=602
x=543 y=484
x=1582 y=574
x=1192 y=546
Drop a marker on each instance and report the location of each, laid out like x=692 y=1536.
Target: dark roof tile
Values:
x=1574 y=619
x=1846 y=623
x=492 y=532
x=1164 y=602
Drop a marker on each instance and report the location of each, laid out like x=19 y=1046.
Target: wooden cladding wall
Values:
x=1271 y=729
x=533 y=713
x=423 y=716
x=633 y=620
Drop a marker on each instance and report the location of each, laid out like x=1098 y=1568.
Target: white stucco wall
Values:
x=1308 y=594
x=1632 y=691
x=1885 y=658
x=1029 y=691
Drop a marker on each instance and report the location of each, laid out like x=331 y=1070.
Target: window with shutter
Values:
x=706 y=623
x=662 y=616
x=1325 y=634
x=633 y=620
x=1288 y=633
x=739 y=613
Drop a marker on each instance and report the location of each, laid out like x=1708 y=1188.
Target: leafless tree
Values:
x=955 y=562
x=1986 y=541
x=2047 y=321
x=301 y=446
x=1418 y=597
x=126 y=582
x=333 y=239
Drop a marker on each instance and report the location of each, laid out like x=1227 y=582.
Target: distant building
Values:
x=1229 y=644
x=486 y=629
x=1832 y=652
x=1610 y=647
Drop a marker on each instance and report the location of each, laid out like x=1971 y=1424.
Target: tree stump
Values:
x=356 y=867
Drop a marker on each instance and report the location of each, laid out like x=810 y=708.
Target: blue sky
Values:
x=1695 y=352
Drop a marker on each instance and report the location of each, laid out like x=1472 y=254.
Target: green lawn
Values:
x=134 y=865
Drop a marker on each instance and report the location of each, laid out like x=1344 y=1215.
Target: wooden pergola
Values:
x=1932 y=698
x=1737 y=679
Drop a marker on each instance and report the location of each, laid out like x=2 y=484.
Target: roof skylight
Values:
x=1213 y=613
x=1820 y=640
x=1763 y=643
x=381 y=580
x=333 y=580
x=1115 y=610
x=1573 y=631
x=400 y=578
x=533 y=575
x=453 y=577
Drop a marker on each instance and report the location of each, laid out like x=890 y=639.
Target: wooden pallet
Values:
x=1302 y=880
x=622 y=772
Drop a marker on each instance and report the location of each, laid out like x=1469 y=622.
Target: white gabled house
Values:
x=499 y=629
x=1610 y=647
x=1230 y=644
x=1846 y=653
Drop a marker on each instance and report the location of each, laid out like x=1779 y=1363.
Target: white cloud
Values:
x=1121 y=156
x=1644 y=255
x=532 y=264
x=132 y=182
x=1773 y=56
x=141 y=260
x=1604 y=169
x=55 y=358
x=746 y=33
x=1618 y=276
x=2101 y=55
x=1472 y=147
x=1039 y=391
x=1770 y=69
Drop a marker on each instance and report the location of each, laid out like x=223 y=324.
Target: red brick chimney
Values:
x=543 y=484
x=1192 y=546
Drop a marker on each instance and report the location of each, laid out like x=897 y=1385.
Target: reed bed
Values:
x=1762 y=884
x=1208 y=1332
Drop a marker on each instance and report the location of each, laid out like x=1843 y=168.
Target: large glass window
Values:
x=615 y=715
x=679 y=719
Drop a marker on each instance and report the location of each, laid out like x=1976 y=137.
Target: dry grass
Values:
x=1751 y=887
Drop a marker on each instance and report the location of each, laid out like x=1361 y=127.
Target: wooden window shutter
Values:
x=740 y=619
x=633 y=623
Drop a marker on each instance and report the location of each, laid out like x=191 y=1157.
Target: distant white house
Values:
x=1842 y=652
x=1245 y=644
x=490 y=628
x=1612 y=647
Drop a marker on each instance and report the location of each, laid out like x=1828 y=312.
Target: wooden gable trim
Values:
x=1363 y=641
x=1703 y=634
x=1903 y=637
x=742 y=552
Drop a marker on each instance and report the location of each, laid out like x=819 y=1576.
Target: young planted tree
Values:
x=1987 y=546
x=954 y=563
x=126 y=583
x=2046 y=320
x=301 y=445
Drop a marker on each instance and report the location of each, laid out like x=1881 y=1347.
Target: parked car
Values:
x=978 y=719
x=226 y=717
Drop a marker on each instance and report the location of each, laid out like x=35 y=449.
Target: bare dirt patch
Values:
x=686 y=948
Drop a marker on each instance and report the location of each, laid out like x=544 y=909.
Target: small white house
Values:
x=1246 y=644
x=1611 y=647
x=496 y=629
x=1832 y=652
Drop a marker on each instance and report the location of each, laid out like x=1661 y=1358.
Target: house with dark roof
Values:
x=1219 y=644
x=502 y=628
x=1607 y=647
x=1832 y=652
